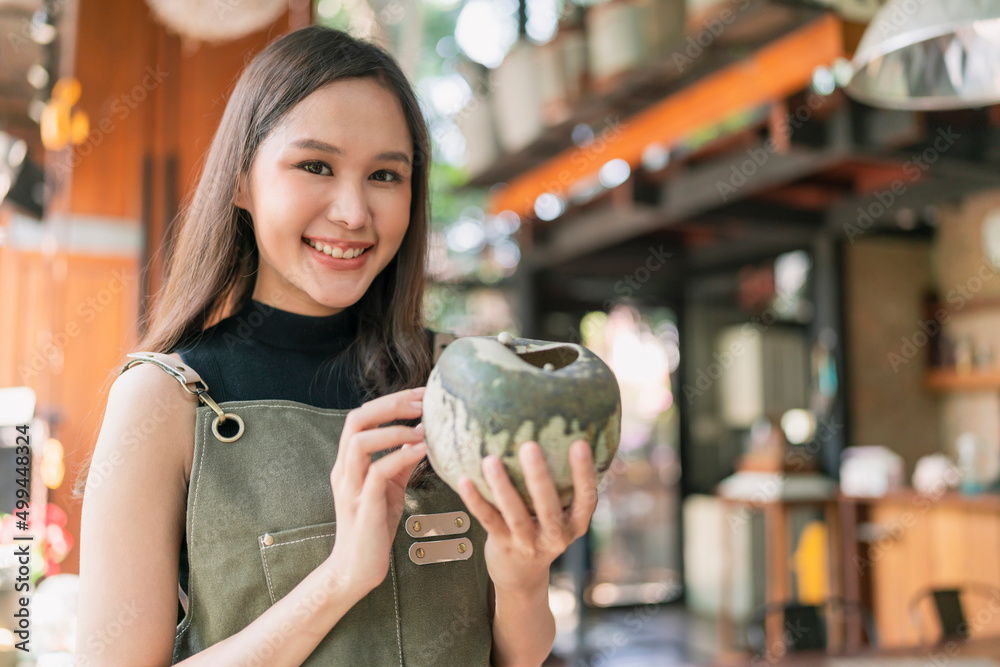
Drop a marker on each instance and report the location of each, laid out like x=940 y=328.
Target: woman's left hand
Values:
x=519 y=547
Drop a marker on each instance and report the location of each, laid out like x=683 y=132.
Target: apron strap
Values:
x=188 y=378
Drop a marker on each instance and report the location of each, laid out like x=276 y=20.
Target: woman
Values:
x=294 y=293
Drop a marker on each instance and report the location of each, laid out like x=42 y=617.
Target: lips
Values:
x=336 y=251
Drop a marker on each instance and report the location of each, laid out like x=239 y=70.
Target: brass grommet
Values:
x=268 y=540
x=458 y=522
x=416 y=526
x=420 y=553
x=234 y=417
x=461 y=547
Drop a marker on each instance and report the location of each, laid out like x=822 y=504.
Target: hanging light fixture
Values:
x=930 y=55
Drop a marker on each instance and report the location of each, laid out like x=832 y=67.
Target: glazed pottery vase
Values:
x=489 y=395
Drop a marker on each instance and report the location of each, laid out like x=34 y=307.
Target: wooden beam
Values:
x=688 y=194
x=776 y=71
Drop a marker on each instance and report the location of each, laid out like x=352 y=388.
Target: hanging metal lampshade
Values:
x=930 y=55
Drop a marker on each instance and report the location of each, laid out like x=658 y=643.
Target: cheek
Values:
x=396 y=218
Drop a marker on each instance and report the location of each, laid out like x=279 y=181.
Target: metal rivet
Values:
x=461 y=547
x=548 y=367
x=420 y=553
x=267 y=540
x=459 y=522
x=416 y=526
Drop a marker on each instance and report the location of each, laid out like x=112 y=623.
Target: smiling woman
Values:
x=294 y=295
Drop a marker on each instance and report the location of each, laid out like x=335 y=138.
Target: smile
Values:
x=335 y=252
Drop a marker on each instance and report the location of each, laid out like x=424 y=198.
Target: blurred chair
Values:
x=808 y=627
x=948 y=610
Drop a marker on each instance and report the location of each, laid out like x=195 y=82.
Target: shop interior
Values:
x=777 y=221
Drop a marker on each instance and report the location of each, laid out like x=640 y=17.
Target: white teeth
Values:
x=336 y=252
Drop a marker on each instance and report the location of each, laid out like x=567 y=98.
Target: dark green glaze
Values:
x=498 y=398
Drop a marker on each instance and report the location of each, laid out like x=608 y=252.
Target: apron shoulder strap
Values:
x=179 y=371
x=190 y=381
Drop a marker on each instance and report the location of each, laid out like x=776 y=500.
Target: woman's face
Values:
x=333 y=177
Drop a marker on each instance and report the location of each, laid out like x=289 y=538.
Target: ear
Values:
x=241 y=197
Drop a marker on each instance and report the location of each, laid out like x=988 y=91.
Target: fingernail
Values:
x=419 y=428
x=417 y=404
x=494 y=464
x=580 y=451
x=419 y=391
x=420 y=448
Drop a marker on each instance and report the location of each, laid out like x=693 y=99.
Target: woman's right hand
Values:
x=368 y=496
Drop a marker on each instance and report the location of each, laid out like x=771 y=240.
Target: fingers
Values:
x=544 y=495
x=359 y=449
x=392 y=466
x=487 y=515
x=509 y=502
x=581 y=463
x=406 y=404
x=361 y=436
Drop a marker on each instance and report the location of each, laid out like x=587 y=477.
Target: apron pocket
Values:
x=290 y=555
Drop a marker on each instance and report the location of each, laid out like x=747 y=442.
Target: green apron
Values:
x=260 y=517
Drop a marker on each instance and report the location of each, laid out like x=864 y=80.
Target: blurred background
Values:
x=777 y=221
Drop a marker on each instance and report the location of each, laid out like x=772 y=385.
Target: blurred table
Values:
x=776 y=507
x=973 y=653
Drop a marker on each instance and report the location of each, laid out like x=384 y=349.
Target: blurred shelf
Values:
x=986 y=501
x=947 y=380
x=632 y=91
x=975 y=304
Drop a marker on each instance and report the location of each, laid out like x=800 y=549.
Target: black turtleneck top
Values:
x=262 y=353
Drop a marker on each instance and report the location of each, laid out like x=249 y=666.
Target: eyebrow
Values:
x=316 y=144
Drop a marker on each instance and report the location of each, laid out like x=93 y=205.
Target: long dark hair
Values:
x=206 y=282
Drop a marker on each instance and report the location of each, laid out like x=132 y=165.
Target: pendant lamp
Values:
x=930 y=55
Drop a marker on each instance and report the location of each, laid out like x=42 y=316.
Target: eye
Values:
x=387 y=176
x=316 y=168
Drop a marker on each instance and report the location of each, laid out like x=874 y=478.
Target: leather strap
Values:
x=180 y=372
x=433 y=525
x=440 y=551
x=190 y=380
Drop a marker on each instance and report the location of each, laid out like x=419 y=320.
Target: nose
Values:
x=349 y=206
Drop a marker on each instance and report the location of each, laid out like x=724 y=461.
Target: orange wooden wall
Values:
x=151 y=102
